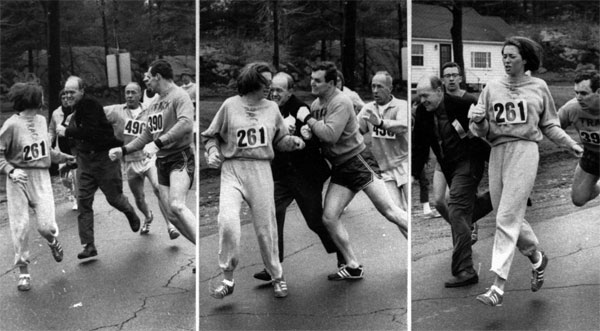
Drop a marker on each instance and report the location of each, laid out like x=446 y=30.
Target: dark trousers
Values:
x=423 y=187
x=96 y=170
x=464 y=208
x=307 y=194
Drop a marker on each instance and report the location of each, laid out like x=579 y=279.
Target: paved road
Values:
x=135 y=283
x=569 y=300
x=378 y=302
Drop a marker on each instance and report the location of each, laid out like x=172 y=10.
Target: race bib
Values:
x=134 y=127
x=383 y=133
x=252 y=137
x=155 y=122
x=511 y=112
x=590 y=137
x=35 y=151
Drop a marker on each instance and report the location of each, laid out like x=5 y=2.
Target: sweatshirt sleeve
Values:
x=549 y=122
x=330 y=128
x=563 y=116
x=5 y=142
x=211 y=137
x=363 y=126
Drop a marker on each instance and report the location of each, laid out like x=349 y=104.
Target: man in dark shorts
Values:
x=333 y=120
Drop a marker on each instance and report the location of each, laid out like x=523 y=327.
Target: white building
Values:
x=483 y=37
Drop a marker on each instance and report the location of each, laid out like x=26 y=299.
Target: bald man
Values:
x=93 y=136
x=386 y=119
x=129 y=121
x=441 y=124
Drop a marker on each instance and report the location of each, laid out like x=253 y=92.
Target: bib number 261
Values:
x=251 y=137
x=511 y=112
x=35 y=151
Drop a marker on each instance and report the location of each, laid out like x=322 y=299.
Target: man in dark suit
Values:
x=298 y=175
x=441 y=123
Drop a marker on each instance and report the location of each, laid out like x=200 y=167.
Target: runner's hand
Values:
x=18 y=176
x=577 y=150
x=115 y=153
x=214 y=160
x=306 y=132
x=372 y=117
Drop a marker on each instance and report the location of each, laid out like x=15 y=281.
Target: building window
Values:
x=417 y=55
x=481 y=60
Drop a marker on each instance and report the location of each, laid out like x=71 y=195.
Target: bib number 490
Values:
x=251 y=137
x=511 y=112
x=134 y=128
x=35 y=151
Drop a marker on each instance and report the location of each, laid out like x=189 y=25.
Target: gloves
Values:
x=150 y=149
x=303 y=112
x=306 y=132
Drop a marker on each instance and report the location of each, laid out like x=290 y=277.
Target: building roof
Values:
x=434 y=22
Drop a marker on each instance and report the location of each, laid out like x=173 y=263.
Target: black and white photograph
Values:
x=505 y=207
x=98 y=202
x=304 y=172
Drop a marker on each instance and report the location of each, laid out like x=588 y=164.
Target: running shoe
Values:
x=491 y=298
x=146 y=226
x=24 y=282
x=432 y=214
x=222 y=291
x=56 y=249
x=280 y=288
x=345 y=272
x=173 y=233
x=537 y=275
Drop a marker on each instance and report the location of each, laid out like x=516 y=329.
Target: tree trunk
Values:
x=457 y=43
x=54 y=75
x=349 y=42
x=275 y=36
x=323 y=50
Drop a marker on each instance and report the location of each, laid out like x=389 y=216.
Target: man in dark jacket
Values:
x=298 y=175
x=93 y=136
x=441 y=123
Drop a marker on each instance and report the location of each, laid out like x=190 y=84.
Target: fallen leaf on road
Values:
x=79 y=304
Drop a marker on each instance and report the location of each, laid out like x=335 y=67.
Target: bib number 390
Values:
x=590 y=137
x=155 y=123
x=35 y=151
x=511 y=112
x=252 y=137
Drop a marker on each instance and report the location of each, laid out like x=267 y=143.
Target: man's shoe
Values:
x=146 y=226
x=263 y=275
x=134 y=221
x=24 y=282
x=173 y=233
x=223 y=290
x=346 y=272
x=463 y=278
x=537 y=275
x=56 y=249
x=280 y=288
x=474 y=232
x=88 y=251
x=491 y=298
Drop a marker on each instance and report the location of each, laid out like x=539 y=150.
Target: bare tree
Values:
x=349 y=42
x=275 y=35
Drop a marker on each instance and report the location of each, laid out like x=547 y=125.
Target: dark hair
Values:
x=251 y=78
x=340 y=77
x=451 y=65
x=161 y=67
x=61 y=93
x=435 y=82
x=530 y=51
x=331 y=72
x=25 y=96
x=592 y=76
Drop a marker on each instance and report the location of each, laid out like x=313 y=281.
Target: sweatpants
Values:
x=250 y=181
x=37 y=194
x=512 y=170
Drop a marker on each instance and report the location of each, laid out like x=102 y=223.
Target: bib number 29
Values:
x=35 y=151
x=511 y=112
x=251 y=137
